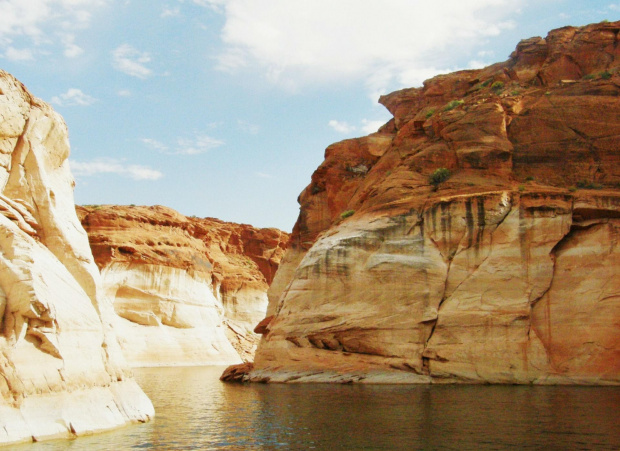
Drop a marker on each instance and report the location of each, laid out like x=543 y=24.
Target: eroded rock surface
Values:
x=61 y=371
x=187 y=290
x=506 y=272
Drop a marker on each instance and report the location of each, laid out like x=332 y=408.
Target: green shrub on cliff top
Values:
x=346 y=214
x=453 y=104
x=497 y=87
x=439 y=175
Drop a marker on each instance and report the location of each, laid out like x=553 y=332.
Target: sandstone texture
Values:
x=62 y=373
x=508 y=271
x=187 y=291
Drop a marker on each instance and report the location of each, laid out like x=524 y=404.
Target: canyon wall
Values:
x=474 y=238
x=187 y=291
x=62 y=371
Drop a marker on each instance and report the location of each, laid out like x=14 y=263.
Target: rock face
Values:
x=506 y=272
x=61 y=371
x=187 y=291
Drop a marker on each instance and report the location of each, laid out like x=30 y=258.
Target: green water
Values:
x=196 y=411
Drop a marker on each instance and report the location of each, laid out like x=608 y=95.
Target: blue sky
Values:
x=223 y=108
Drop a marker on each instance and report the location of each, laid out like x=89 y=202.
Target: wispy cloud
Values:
x=341 y=127
x=124 y=93
x=13 y=54
x=112 y=166
x=155 y=145
x=197 y=145
x=73 y=97
x=131 y=61
x=71 y=49
x=366 y=126
x=45 y=23
x=213 y=4
x=263 y=175
x=170 y=12
x=248 y=127
x=184 y=146
x=272 y=36
x=369 y=127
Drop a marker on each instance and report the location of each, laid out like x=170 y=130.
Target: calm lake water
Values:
x=196 y=411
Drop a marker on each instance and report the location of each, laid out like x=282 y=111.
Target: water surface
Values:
x=196 y=411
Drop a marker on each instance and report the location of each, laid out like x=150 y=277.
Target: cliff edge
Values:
x=62 y=372
x=473 y=238
x=187 y=291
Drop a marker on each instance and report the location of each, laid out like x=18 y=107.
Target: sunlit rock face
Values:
x=61 y=371
x=186 y=291
x=506 y=272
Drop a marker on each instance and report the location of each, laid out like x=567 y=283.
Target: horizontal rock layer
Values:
x=61 y=371
x=503 y=272
x=187 y=291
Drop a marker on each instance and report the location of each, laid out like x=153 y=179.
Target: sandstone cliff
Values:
x=61 y=371
x=186 y=290
x=474 y=238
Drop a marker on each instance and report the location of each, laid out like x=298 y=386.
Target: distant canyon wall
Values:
x=474 y=238
x=62 y=372
x=187 y=291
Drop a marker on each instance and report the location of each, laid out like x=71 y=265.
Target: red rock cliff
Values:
x=186 y=288
x=506 y=271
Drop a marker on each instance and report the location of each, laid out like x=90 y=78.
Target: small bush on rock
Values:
x=584 y=184
x=453 y=104
x=439 y=175
x=497 y=87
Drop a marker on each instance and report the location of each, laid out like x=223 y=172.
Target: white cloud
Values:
x=170 y=12
x=366 y=126
x=124 y=93
x=14 y=54
x=247 y=127
x=297 y=42
x=369 y=127
x=131 y=61
x=213 y=4
x=184 y=146
x=155 y=145
x=112 y=166
x=73 y=97
x=476 y=64
x=42 y=23
x=341 y=127
x=198 y=145
x=263 y=175
x=71 y=49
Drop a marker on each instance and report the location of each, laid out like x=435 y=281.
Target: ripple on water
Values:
x=197 y=411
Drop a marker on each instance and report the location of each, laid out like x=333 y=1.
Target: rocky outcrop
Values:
x=61 y=371
x=187 y=291
x=474 y=238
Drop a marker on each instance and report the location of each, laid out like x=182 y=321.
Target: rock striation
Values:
x=62 y=373
x=187 y=291
x=474 y=238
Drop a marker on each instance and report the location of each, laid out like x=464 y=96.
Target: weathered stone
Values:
x=504 y=272
x=61 y=369
x=187 y=291
x=237 y=373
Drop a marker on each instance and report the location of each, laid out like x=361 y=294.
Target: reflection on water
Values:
x=196 y=411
